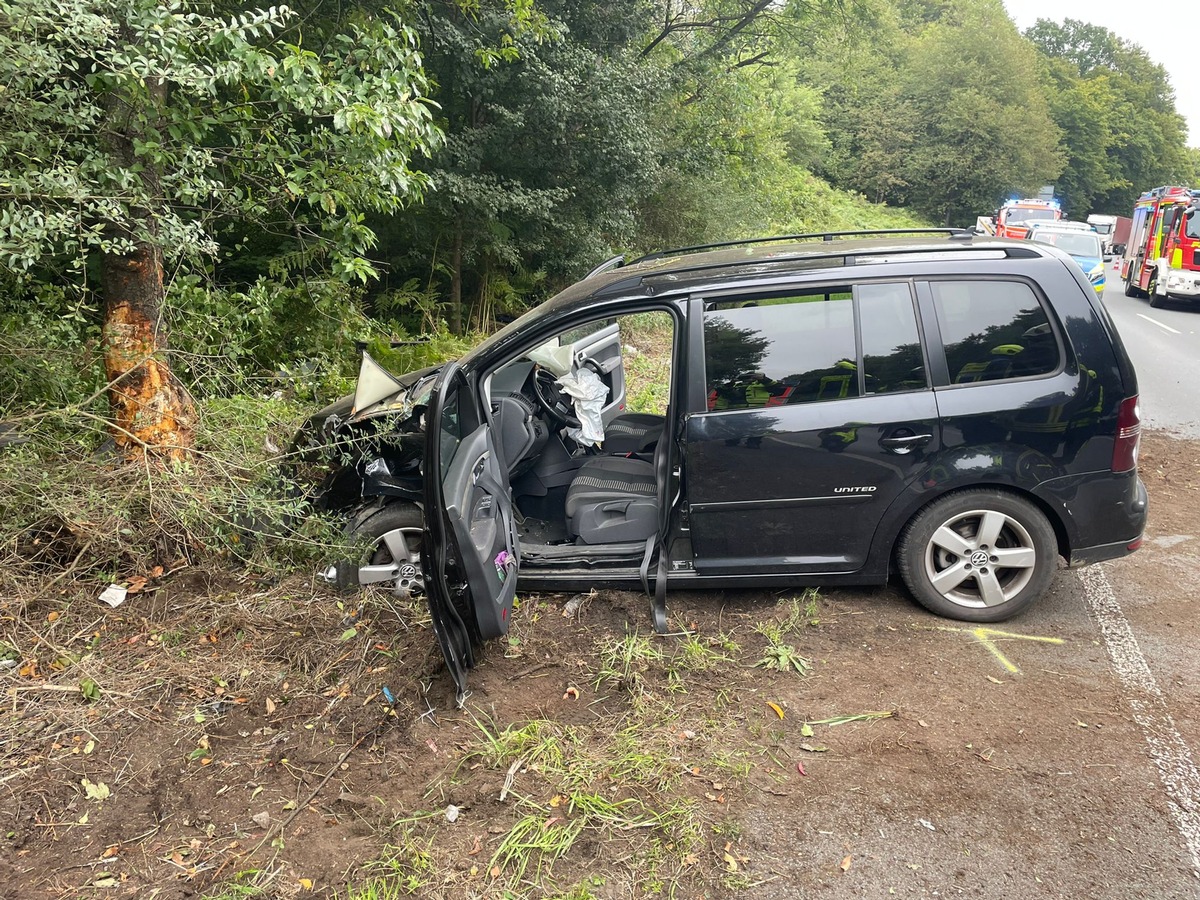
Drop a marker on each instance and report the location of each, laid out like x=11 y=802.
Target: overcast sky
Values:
x=1164 y=30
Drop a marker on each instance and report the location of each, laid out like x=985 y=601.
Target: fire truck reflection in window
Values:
x=993 y=330
x=802 y=348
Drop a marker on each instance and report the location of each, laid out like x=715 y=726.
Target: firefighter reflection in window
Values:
x=1046 y=426
x=749 y=390
x=842 y=381
x=835 y=440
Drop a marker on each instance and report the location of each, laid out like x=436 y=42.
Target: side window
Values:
x=992 y=330
x=891 y=344
x=770 y=351
x=1171 y=229
x=586 y=330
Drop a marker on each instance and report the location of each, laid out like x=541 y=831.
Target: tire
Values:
x=376 y=526
x=952 y=574
x=1131 y=289
x=1157 y=300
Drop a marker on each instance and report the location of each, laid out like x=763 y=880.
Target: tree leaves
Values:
x=243 y=108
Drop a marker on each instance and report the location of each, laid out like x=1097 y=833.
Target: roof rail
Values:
x=843 y=255
x=823 y=235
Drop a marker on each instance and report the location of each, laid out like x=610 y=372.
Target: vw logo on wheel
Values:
x=408 y=570
x=979 y=558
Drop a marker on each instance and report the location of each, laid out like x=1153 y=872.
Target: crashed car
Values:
x=953 y=409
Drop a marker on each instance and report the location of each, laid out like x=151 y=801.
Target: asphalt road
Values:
x=1165 y=347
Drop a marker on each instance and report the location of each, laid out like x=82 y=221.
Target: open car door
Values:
x=470 y=547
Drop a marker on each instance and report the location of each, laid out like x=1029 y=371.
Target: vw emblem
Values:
x=979 y=558
x=408 y=570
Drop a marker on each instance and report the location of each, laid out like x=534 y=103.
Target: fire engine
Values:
x=1162 y=258
x=1013 y=218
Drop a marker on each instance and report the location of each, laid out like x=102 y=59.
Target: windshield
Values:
x=1076 y=243
x=1103 y=227
x=1014 y=214
x=1192 y=226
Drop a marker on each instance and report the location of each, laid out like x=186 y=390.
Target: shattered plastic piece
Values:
x=452 y=813
x=572 y=606
x=925 y=823
x=113 y=595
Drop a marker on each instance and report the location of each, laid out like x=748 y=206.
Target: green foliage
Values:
x=49 y=340
x=132 y=120
x=603 y=786
x=1121 y=132
x=403 y=871
x=71 y=508
x=298 y=339
x=430 y=350
x=646 y=341
x=783 y=658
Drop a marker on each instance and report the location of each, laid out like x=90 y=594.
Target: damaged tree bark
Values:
x=152 y=413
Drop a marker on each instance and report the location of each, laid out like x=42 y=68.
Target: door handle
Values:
x=906 y=443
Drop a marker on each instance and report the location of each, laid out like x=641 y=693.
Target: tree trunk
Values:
x=152 y=413
x=456 y=262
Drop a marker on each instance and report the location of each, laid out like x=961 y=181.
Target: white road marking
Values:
x=1159 y=324
x=1171 y=755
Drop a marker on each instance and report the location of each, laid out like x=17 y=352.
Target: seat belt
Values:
x=658 y=597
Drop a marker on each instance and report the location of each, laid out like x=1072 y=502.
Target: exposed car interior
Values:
x=594 y=503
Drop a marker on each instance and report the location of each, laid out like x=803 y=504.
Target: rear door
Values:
x=819 y=414
x=470 y=548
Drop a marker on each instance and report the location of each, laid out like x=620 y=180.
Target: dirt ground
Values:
x=220 y=736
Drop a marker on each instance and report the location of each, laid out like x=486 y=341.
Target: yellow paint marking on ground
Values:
x=987 y=637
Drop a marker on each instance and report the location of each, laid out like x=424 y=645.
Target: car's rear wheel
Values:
x=978 y=555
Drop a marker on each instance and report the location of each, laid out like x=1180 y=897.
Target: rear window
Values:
x=993 y=330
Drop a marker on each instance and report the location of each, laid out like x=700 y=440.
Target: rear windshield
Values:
x=1076 y=243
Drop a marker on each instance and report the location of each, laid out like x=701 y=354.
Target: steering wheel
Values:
x=551 y=398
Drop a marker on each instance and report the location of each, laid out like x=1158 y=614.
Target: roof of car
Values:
x=782 y=254
x=688 y=268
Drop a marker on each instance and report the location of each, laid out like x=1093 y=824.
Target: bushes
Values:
x=49 y=346
x=72 y=506
x=299 y=338
x=257 y=361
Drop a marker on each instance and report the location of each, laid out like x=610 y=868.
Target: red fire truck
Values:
x=1013 y=218
x=1162 y=257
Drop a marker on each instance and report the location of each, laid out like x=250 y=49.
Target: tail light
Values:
x=1129 y=433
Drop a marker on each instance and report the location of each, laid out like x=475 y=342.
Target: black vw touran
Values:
x=955 y=409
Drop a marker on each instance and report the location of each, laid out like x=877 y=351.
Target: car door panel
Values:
x=471 y=550
x=821 y=470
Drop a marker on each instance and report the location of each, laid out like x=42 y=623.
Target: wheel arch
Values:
x=905 y=508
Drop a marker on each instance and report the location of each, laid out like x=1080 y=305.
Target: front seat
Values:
x=633 y=433
x=614 y=499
